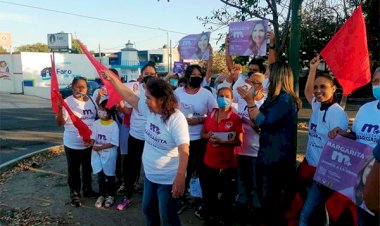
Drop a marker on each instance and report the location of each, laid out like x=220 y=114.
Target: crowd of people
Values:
x=238 y=138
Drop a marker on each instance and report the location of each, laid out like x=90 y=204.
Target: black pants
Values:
x=195 y=164
x=219 y=193
x=76 y=159
x=276 y=189
x=107 y=185
x=132 y=164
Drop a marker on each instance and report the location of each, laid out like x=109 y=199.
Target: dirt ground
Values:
x=39 y=195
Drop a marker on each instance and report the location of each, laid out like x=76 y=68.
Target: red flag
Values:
x=114 y=97
x=82 y=128
x=347 y=53
x=53 y=86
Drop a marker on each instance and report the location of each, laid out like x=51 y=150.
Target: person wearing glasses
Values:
x=248 y=151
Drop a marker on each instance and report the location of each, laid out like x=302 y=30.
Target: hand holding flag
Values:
x=114 y=97
x=347 y=53
x=58 y=102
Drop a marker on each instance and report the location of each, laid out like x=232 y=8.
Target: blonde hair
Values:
x=281 y=79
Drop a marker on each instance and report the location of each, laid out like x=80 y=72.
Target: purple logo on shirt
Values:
x=369 y=128
x=154 y=128
x=313 y=127
x=87 y=112
x=102 y=137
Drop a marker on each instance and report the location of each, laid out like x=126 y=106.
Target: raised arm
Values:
x=309 y=87
x=126 y=93
x=229 y=61
x=209 y=65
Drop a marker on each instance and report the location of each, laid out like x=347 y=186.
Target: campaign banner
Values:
x=180 y=67
x=344 y=166
x=195 y=47
x=248 y=38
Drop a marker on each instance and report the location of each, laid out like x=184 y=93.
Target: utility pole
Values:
x=294 y=51
x=295 y=40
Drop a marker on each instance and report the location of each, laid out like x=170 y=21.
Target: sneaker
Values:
x=125 y=202
x=99 y=202
x=121 y=190
x=182 y=206
x=109 y=202
x=90 y=194
x=75 y=200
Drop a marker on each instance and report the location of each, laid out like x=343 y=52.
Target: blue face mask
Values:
x=173 y=82
x=376 y=92
x=223 y=102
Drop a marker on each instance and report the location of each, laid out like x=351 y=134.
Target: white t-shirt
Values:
x=86 y=111
x=160 y=156
x=319 y=129
x=201 y=104
x=138 y=120
x=250 y=145
x=367 y=124
x=105 y=159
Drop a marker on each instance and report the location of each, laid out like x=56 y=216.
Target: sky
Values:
x=29 y=25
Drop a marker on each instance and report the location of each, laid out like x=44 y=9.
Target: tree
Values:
x=37 y=47
x=75 y=47
x=2 y=50
x=277 y=12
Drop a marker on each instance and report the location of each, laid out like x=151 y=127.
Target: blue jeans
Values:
x=159 y=207
x=313 y=210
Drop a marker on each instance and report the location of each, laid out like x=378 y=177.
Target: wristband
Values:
x=254 y=106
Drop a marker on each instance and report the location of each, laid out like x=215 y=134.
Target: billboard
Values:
x=59 y=41
x=5 y=40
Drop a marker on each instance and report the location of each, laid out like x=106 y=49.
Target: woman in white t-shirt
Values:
x=195 y=103
x=366 y=130
x=326 y=115
x=78 y=155
x=166 y=149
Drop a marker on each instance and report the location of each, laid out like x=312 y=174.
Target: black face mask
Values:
x=195 y=82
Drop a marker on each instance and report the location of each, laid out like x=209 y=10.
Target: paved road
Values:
x=27 y=124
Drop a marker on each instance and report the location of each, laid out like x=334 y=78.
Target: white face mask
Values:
x=102 y=114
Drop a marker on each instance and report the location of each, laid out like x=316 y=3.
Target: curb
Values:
x=7 y=165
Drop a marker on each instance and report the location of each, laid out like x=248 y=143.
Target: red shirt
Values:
x=221 y=156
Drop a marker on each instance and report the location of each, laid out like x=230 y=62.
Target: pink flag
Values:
x=114 y=97
x=347 y=53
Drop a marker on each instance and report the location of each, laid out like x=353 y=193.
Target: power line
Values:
x=94 y=18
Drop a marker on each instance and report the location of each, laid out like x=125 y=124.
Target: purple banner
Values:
x=195 y=47
x=248 y=38
x=180 y=67
x=344 y=166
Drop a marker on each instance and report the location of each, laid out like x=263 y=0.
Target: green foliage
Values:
x=2 y=50
x=75 y=47
x=37 y=47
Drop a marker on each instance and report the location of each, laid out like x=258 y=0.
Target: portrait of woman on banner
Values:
x=257 y=39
